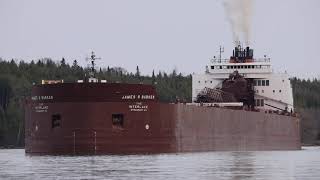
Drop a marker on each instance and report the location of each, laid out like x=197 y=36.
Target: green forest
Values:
x=18 y=77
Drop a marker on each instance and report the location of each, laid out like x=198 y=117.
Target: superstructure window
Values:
x=259 y=82
x=257 y=102
x=117 y=120
x=220 y=67
x=55 y=121
x=212 y=67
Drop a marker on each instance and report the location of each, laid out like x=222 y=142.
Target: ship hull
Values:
x=153 y=127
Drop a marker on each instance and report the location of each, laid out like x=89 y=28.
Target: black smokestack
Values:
x=247 y=52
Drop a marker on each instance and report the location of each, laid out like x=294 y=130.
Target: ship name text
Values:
x=37 y=98
x=142 y=97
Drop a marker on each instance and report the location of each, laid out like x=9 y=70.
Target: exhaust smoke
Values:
x=239 y=13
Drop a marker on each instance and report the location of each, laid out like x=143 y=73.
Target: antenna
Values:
x=221 y=50
x=92 y=58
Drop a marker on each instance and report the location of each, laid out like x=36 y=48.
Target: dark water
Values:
x=304 y=164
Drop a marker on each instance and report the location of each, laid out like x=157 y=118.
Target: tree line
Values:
x=18 y=77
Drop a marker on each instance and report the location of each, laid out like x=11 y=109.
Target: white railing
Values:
x=218 y=61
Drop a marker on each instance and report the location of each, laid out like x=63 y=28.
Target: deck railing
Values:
x=217 y=61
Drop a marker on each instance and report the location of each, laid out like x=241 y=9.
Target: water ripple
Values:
x=264 y=165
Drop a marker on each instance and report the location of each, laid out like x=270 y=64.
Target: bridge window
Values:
x=198 y=81
x=212 y=67
x=267 y=82
x=280 y=91
x=220 y=67
x=263 y=82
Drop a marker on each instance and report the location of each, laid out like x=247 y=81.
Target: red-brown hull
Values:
x=87 y=128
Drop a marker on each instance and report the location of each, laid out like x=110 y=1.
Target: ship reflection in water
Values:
x=303 y=164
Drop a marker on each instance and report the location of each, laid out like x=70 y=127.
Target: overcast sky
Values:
x=160 y=35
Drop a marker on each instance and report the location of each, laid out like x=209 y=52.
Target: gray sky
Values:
x=160 y=35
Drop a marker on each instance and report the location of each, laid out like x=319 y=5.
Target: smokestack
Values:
x=248 y=50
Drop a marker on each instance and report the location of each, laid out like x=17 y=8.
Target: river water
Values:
x=304 y=164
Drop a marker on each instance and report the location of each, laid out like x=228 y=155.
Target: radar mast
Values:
x=92 y=60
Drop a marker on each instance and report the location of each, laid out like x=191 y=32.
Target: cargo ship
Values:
x=238 y=104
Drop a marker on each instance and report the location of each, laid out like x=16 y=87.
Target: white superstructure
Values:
x=272 y=91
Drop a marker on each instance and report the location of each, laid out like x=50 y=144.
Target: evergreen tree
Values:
x=137 y=72
x=63 y=62
x=75 y=64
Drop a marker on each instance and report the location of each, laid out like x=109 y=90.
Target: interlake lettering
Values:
x=41 y=108
x=138 y=106
x=138 y=97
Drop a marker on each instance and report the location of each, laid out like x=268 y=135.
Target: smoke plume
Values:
x=239 y=14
